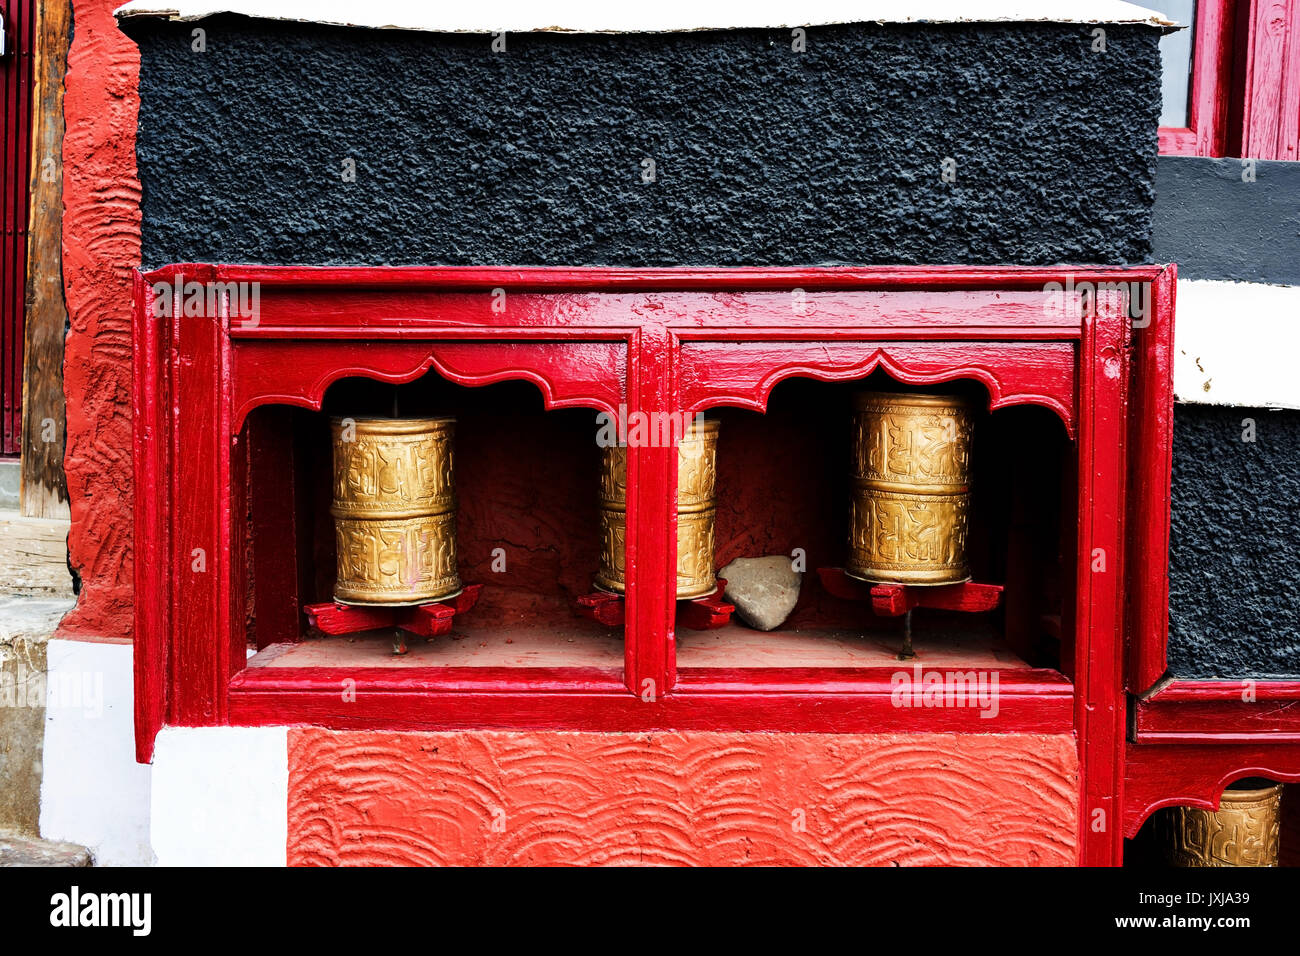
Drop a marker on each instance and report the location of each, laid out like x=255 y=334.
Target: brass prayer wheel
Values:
x=911 y=488
x=697 y=455
x=1244 y=831
x=394 y=510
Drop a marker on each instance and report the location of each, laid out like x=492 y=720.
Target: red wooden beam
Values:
x=1151 y=423
x=808 y=700
x=1246 y=712
x=1195 y=776
x=677 y=278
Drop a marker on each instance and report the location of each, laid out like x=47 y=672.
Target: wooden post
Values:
x=44 y=491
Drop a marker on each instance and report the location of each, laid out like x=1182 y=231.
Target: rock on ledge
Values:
x=764 y=590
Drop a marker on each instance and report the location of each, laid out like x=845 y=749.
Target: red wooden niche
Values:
x=229 y=427
x=784 y=488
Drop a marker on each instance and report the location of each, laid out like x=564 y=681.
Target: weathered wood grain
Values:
x=34 y=556
x=44 y=485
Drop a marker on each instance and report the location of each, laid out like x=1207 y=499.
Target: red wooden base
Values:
x=898 y=600
x=895 y=600
x=426 y=620
x=699 y=614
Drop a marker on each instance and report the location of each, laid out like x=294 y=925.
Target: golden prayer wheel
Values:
x=697 y=455
x=394 y=510
x=1244 y=831
x=911 y=488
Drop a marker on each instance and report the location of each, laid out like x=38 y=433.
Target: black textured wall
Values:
x=534 y=156
x=1235 y=549
x=1222 y=219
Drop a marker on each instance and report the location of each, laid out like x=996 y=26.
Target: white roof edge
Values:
x=583 y=16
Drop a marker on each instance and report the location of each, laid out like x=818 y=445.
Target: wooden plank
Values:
x=1099 y=589
x=1151 y=420
x=1270 y=127
x=44 y=491
x=34 y=556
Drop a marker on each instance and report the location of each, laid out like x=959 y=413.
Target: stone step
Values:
x=18 y=849
x=34 y=556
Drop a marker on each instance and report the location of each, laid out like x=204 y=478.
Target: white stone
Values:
x=764 y=590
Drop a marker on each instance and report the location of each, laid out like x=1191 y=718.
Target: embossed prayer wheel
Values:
x=697 y=455
x=1244 y=831
x=394 y=510
x=911 y=488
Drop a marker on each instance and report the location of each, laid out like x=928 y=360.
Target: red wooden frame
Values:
x=15 y=170
x=1191 y=738
x=1245 y=90
x=1210 y=97
x=1267 y=123
x=657 y=340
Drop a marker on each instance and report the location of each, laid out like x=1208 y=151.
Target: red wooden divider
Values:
x=15 y=140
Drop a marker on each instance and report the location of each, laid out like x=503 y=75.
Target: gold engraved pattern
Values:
x=394 y=510
x=1244 y=831
x=696 y=509
x=909 y=513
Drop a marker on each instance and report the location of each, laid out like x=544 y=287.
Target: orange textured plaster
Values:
x=489 y=797
x=101 y=247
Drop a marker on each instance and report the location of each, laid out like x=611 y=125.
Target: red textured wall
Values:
x=488 y=797
x=101 y=246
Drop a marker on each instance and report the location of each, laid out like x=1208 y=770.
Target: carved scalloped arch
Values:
x=1186 y=798
x=314 y=396
x=881 y=359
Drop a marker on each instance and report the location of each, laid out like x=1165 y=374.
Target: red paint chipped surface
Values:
x=101 y=247
x=483 y=797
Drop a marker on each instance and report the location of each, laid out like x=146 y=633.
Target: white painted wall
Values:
x=602 y=16
x=1237 y=343
x=92 y=790
x=221 y=796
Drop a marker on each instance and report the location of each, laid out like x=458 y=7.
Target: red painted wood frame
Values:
x=1245 y=87
x=1209 y=100
x=15 y=161
x=1190 y=738
x=660 y=340
x=1266 y=123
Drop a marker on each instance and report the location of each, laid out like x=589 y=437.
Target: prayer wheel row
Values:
x=394 y=502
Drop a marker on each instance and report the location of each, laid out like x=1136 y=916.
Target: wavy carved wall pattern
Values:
x=680 y=798
x=101 y=229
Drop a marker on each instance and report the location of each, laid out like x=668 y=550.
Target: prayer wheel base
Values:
x=704 y=613
x=921 y=579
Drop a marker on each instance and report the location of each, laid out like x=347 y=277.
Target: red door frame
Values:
x=16 y=98
x=1244 y=99
x=1209 y=100
x=660 y=340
